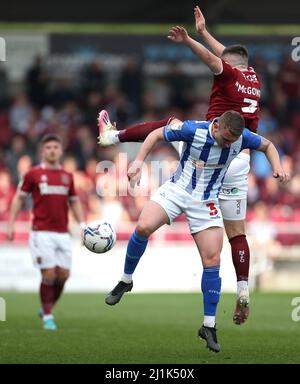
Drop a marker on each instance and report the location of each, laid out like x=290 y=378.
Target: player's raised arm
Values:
x=272 y=155
x=135 y=170
x=213 y=43
x=179 y=35
x=259 y=143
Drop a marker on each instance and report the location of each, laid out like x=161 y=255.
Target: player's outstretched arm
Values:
x=179 y=35
x=15 y=208
x=213 y=43
x=135 y=170
x=272 y=155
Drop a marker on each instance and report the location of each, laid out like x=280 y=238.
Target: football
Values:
x=99 y=236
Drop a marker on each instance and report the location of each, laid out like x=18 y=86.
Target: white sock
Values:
x=242 y=285
x=48 y=317
x=209 y=321
x=126 y=278
x=113 y=136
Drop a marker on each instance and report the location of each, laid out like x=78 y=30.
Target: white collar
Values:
x=44 y=166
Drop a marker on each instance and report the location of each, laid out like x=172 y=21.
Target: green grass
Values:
x=156 y=328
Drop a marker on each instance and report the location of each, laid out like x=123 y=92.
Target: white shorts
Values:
x=233 y=194
x=200 y=214
x=235 y=184
x=233 y=209
x=50 y=249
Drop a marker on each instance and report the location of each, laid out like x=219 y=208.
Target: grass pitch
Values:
x=147 y=328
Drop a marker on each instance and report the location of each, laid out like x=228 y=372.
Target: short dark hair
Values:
x=51 y=137
x=236 y=49
x=233 y=121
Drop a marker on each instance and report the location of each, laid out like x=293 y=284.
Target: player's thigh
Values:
x=233 y=209
x=209 y=243
x=42 y=249
x=63 y=251
x=164 y=206
x=152 y=217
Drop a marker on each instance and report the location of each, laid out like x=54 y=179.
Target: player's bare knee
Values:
x=143 y=229
x=234 y=228
x=211 y=260
x=48 y=274
x=62 y=275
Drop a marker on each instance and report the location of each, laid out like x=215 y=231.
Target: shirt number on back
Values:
x=252 y=107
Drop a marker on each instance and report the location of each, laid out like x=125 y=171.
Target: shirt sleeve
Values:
x=250 y=140
x=180 y=132
x=72 y=192
x=26 y=184
x=228 y=73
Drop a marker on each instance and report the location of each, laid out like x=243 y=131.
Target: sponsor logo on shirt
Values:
x=46 y=189
x=201 y=164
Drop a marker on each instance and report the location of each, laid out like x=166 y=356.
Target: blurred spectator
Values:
x=62 y=93
x=20 y=113
x=12 y=156
x=3 y=87
x=131 y=82
x=178 y=84
x=37 y=83
x=289 y=80
x=93 y=79
x=93 y=104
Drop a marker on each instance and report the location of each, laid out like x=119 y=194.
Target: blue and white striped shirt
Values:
x=203 y=163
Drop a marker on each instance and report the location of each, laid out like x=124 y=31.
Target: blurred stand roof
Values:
x=151 y=11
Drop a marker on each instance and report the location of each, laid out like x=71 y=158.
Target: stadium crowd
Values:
x=71 y=109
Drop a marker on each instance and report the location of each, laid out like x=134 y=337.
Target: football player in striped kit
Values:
x=193 y=189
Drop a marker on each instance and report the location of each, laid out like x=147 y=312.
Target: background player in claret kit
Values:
x=193 y=189
x=52 y=191
x=236 y=86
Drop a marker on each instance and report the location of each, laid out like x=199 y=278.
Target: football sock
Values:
x=58 y=289
x=209 y=321
x=139 y=132
x=242 y=285
x=113 y=136
x=240 y=256
x=47 y=294
x=135 y=249
x=127 y=278
x=211 y=288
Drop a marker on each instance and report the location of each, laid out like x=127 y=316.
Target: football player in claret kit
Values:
x=193 y=189
x=52 y=190
x=236 y=86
